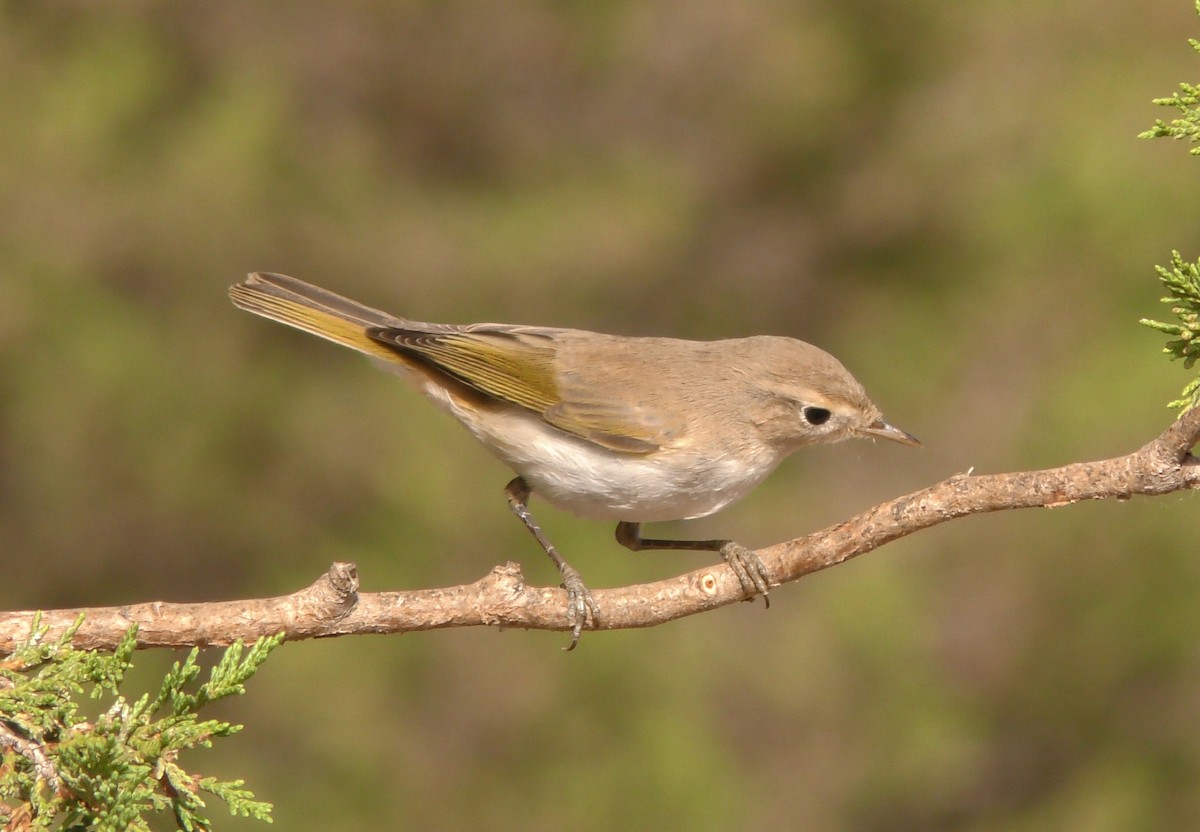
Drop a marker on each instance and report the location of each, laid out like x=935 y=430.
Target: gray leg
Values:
x=579 y=598
x=749 y=568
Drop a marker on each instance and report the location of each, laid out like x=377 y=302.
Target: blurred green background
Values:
x=949 y=197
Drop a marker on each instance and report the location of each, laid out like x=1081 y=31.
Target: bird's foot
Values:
x=580 y=603
x=750 y=570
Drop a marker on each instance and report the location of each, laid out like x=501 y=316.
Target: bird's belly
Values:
x=638 y=491
x=589 y=480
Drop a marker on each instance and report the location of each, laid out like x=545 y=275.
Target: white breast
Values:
x=592 y=481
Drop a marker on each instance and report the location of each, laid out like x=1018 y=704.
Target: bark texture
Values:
x=334 y=606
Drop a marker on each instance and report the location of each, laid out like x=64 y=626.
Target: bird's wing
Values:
x=518 y=366
x=621 y=426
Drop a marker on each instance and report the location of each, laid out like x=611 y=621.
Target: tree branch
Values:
x=333 y=606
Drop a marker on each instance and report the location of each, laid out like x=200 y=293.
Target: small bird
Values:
x=609 y=427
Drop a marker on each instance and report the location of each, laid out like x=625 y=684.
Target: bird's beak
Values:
x=883 y=430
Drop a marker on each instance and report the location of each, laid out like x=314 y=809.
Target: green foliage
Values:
x=1186 y=101
x=112 y=772
x=1183 y=282
x=1181 y=279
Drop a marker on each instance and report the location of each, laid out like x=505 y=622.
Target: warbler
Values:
x=606 y=426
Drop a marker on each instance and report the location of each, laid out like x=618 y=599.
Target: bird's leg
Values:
x=580 y=602
x=749 y=568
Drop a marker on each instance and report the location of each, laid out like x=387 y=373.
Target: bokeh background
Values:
x=948 y=196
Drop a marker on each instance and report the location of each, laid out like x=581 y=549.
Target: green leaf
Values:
x=1182 y=281
x=120 y=770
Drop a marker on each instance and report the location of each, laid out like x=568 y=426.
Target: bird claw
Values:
x=580 y=604
x=750 y=570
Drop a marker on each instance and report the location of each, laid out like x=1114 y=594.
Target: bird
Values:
x=607 y=427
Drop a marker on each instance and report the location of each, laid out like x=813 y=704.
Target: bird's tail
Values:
x=314 y=310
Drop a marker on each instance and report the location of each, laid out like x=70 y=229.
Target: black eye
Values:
x=816 y=415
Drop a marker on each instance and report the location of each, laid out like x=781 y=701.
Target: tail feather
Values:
x=314 y=310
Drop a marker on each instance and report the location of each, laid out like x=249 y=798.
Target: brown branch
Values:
x=333 y=605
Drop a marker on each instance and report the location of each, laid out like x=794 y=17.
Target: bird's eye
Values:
x=816 y=415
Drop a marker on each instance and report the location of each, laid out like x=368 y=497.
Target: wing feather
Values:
x=519 y=367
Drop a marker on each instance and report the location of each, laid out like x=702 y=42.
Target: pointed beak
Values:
x=883 y=430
